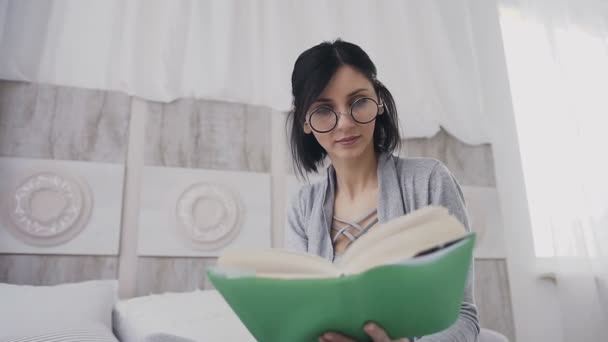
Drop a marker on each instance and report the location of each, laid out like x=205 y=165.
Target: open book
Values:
x=419 y=233
x=407 y=274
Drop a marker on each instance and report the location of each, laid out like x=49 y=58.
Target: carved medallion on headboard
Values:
x=48 y=208
x=209 y=215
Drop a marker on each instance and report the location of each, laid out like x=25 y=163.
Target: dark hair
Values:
x=311 y=73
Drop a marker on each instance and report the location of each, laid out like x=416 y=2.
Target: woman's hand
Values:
x=373 y=330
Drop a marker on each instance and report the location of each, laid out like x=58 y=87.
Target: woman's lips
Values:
x=348 y=140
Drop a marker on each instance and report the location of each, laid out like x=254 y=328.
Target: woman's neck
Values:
x=356 y=176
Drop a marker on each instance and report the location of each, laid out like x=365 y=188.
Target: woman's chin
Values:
x=349 y=152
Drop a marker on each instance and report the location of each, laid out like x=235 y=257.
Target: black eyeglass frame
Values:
x=337 y=114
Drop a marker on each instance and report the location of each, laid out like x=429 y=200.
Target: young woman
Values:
x=342 y=111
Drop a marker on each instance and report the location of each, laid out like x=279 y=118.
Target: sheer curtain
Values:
x=557 y=60
x=243 y=51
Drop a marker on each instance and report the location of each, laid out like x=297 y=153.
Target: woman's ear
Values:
x=381 y=108
x=307 y=128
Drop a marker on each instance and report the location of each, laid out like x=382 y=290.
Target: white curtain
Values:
x=244 y=51
x=557 y=59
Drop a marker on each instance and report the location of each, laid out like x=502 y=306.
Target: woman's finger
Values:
x=376 y=333
x=335 y=337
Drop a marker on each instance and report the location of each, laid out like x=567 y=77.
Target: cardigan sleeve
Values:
x=445 y=191
x=295 y=232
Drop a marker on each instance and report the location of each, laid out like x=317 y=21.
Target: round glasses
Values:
x=363 y=110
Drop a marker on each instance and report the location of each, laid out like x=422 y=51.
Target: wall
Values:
x=154 y=142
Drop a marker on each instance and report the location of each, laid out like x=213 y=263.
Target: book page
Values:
x=279 y=262
x=393 y=227
x=404 y=244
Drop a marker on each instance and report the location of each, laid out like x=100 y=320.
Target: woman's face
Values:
x=349 y=139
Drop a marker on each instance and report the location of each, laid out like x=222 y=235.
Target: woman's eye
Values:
x=323 y=111
x=358 y=103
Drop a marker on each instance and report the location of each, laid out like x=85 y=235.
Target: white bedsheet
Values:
x=199 y=316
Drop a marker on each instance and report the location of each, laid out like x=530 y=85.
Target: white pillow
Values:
x=162 y=337
x=30 y=310
x=93 y=333
x=199 y=316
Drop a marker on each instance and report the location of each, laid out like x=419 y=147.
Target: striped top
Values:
x=352 y=229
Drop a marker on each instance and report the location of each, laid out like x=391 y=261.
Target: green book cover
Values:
x=416 y=297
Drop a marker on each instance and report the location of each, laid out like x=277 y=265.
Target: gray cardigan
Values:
x=405 y=184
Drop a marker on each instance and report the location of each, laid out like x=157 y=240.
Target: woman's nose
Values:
x=345 y=120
